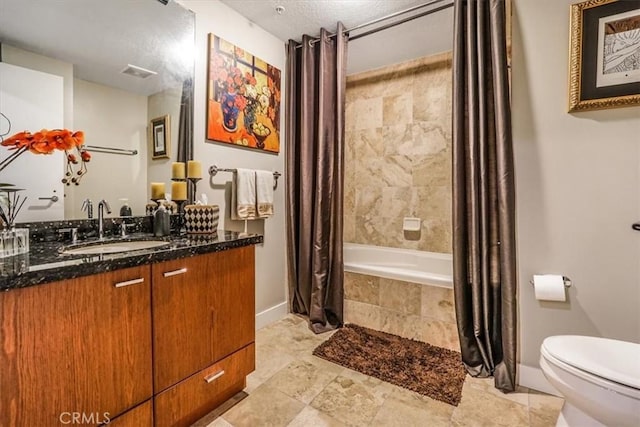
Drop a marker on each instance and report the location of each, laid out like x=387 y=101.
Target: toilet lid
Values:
x=613 y=360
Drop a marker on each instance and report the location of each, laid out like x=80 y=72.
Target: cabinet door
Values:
x=203 y=310
x=182 y=319
x=140 y=416
x=75 y=346
x=234 y=300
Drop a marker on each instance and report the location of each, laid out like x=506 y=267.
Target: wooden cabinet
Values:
x=203 y=310
x=159 y=344
x=77 y=346
x=140 y=416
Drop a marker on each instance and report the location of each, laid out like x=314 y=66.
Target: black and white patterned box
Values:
x=201 y=219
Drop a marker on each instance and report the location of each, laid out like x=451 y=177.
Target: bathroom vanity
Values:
x=152 y=337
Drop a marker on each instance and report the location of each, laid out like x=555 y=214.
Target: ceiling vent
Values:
x=140 y=72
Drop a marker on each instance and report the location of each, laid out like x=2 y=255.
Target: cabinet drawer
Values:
x=140 y=416
x=193 y=398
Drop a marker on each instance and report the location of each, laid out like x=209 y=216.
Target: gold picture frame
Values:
x=597 y=78
x=160 y=137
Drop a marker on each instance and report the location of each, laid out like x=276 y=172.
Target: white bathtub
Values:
x=428 y=268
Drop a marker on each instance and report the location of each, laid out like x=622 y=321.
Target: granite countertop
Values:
x=44 y=263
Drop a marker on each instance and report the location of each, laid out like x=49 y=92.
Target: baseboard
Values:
x=272 y=314
x=531 y=377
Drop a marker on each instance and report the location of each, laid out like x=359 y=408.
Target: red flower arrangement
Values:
x=46 y=142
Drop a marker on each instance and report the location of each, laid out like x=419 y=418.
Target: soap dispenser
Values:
x=161 y=222
x=125 y=210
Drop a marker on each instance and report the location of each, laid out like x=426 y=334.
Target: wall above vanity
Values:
x=88 y=49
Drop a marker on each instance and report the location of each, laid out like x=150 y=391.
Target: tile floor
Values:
x=291 y=387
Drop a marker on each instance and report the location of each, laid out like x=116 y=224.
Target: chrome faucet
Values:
x=88 y=206
x=101 y=205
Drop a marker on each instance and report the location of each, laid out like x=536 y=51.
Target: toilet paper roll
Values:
x=549 y=287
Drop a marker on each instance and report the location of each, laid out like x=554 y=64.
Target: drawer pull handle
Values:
x=129 y=282
x=213 y=377
x=175 y=272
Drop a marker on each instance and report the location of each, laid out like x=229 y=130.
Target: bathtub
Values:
x=428 y=268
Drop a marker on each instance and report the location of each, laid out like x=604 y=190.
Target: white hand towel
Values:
x=264 y=193
x=243 y=195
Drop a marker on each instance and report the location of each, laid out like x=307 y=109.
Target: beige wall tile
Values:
x=438 y=304
x=442 y=334
x=402 y=297
x=368 y=143
x=397 y=109
x=399 y=150
x=401 y=324
x=362 y=314
x=362 y=288
x=368 y=201
x=349 y=229
x=398 y=139
x=366 y=114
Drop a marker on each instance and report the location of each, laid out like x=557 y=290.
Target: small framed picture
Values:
x=604 y=69
x=160 y=137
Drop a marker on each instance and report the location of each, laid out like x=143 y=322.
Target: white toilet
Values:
x=599 y=379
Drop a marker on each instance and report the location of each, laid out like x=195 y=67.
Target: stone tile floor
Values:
x=291 y=387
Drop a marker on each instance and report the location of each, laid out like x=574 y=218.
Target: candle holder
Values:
x=192 y=189
x=181 y=226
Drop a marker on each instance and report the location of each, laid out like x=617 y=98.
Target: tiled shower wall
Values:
x=398 y=155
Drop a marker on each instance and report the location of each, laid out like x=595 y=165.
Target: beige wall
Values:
x=160 y=104
x=578 y=191
x=26 y=59
x=215 y=17
x=398 y=155
x=113 y=118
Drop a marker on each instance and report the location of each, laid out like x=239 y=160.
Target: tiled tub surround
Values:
x=44 y=264
x=412 y=310
x=398 y=155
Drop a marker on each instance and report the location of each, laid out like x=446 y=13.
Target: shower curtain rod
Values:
x=390 y=16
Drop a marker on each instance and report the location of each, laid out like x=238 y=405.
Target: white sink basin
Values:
x=114 y=247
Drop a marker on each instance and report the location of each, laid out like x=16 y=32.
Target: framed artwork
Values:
x=243 y=98
x=604 y=69
x=160 y=137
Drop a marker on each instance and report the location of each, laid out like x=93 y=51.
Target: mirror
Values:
x=98 y=52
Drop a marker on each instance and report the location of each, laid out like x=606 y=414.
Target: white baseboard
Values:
x=272 y=314
x=531 y=377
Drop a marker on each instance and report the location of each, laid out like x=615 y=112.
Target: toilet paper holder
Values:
x=565 y=279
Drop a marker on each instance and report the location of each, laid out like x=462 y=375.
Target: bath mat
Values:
x=432 y=371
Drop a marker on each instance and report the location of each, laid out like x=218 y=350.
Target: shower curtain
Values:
x=315 y=173
x=483 y=193
x=185 y=131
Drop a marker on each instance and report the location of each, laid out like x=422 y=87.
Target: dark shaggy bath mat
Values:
x=426 y=369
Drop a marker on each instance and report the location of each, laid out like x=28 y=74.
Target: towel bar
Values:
x=213 y=171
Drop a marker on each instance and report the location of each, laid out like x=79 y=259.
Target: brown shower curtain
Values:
x=316 y=85
x=484 y=251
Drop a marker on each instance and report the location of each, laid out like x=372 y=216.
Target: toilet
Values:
x=599 y=379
